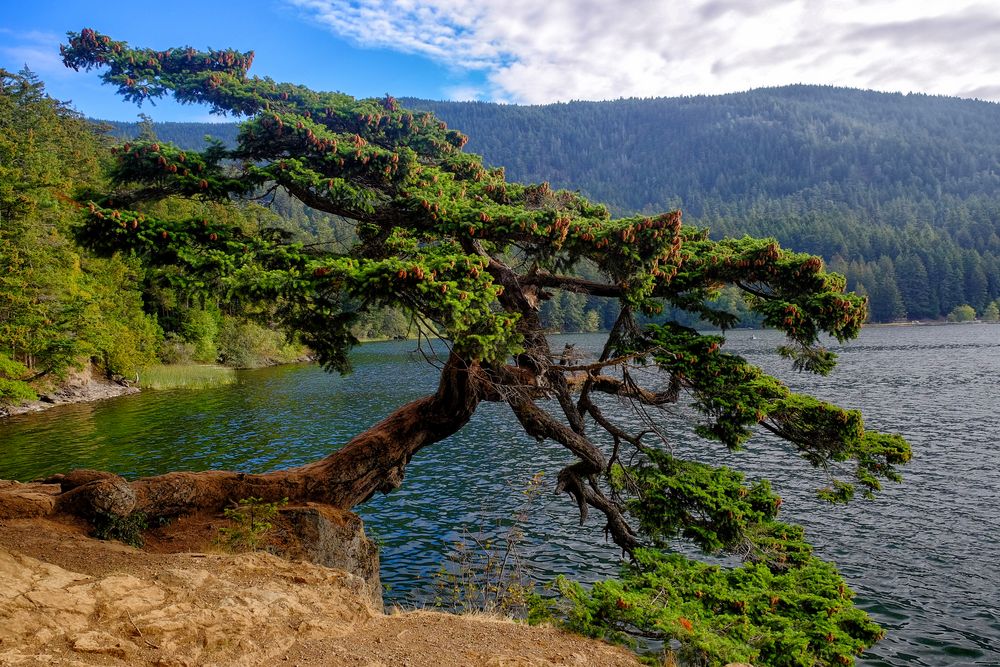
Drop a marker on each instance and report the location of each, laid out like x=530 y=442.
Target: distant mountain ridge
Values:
x=638 y=154
x=189 y=136
x=869 y=180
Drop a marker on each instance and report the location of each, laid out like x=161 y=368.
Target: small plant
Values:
x=251 y=520
x=485 y=573
x=127 y=528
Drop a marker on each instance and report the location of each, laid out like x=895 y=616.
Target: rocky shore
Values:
x=80 y=387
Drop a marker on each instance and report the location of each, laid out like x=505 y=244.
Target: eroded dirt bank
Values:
x=67 y=599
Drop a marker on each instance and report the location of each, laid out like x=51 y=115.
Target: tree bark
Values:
x=372 y=461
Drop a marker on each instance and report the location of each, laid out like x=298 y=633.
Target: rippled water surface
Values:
x=924 y=557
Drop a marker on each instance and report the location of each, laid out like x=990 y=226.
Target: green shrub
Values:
x=963 y=313
x=246 y=344
x=127 y=529
x=176 y=350
x=13 y=389
x=250 y=524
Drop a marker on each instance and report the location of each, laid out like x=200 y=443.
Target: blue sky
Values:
x=288 y=45
x=532 y=52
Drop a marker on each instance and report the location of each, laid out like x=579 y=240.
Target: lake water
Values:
x=924 y=557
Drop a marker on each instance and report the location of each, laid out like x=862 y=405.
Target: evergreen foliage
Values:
x=462 y=251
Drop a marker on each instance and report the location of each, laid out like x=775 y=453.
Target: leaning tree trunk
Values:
x=372 y=461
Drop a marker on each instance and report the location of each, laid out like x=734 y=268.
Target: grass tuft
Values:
x=185 y=376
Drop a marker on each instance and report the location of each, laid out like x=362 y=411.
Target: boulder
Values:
x=27 y=500
x=331 y=537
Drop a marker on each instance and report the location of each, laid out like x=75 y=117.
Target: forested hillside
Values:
x=58 y=305
x=899 y=192
x=707 y=154
x=189 y=136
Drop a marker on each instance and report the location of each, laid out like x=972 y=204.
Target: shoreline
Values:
x=87 y=385
x=83 y=386
x=77 y=600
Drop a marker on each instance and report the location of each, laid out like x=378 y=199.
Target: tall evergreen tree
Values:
x=914 y=286
x=886 y=303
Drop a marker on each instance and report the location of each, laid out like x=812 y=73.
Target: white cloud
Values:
x=464 y=93
x=543 y=51
x=38 y=50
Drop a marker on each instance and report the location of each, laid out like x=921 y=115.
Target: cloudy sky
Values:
x=538 y=51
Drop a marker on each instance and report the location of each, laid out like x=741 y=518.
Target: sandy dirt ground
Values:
x=67 y=599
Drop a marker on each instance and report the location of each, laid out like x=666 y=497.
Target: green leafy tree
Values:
x=58 y=306
x=962 y=313
x=464 y=252
x=991 y=313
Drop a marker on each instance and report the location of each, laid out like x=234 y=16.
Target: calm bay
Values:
x=924 y=557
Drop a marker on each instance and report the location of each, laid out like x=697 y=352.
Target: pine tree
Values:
x=455 y=245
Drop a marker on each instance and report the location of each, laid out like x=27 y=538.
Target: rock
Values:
x=26 y=501
x=327 y=536
x=84 y=385
x=112 y=495
x=103 y=643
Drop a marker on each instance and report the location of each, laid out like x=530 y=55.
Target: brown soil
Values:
x=67 y=599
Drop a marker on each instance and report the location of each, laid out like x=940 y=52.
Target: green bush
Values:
x=127 y=529
x=13 y=389
x=382 y=323
x=176 y=350
x=245 y=344
x=963 y=313
x=251 y=524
